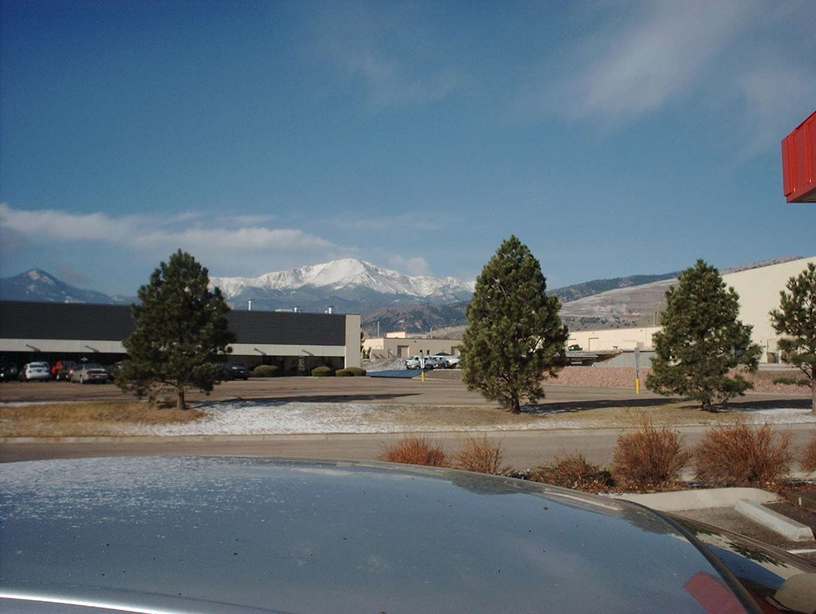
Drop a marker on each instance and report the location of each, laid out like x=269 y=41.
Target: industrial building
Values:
x=758 y=289
x=296 y=342
x=401 y=345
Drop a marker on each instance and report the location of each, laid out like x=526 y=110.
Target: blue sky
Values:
x=612 y=137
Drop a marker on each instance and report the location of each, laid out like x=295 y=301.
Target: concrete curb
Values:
x=786 y=527
x=700 y=499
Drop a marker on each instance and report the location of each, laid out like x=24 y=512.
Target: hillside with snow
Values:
x=38 y=285
x=339 y=283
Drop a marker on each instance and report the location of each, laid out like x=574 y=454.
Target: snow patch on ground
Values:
x=780 y=415
x=281 y=418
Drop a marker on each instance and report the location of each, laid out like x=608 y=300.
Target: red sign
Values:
x=799 y=162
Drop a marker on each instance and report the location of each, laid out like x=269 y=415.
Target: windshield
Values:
x=565 y=243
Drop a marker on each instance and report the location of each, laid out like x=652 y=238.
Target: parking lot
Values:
x=439 y=389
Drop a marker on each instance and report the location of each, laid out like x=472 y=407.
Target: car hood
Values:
x=313 y=536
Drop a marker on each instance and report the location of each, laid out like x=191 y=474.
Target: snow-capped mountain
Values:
x=343 y=279
x=37 y=285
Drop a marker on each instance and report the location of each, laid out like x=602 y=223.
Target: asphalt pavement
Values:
x=522 y=449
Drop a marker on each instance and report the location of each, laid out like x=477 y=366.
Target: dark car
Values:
x=9 y=373
x=246 y=534
x=235 y=371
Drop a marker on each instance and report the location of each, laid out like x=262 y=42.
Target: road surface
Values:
x=522 y=449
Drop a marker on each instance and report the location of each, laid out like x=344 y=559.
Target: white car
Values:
x=36 y=371
x=446 y=361
x=415 y=363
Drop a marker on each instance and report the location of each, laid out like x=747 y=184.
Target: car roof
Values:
x=315 y=536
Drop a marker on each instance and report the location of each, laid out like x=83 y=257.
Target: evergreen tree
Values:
x=514 y=335
x=796 y=318
x=702 y=341
x=181 y=332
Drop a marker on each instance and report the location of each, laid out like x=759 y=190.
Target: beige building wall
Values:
x=352 y=349
x=758 y=291
x=613 y=338
x=405 y=347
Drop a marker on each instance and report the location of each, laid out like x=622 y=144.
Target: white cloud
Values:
x=390 y=83
x=643 y=60
x=389 y=51
x=368 y=223
x=416 y=265
x=777 y=97
x=153 y=233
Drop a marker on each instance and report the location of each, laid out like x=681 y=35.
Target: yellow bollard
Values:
x=422 y=376
x=637 y=385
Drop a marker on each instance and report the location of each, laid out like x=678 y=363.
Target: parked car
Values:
x=446 y=361
x=90 y=373
x=61 y=371
x=415 y=362
x=8 y=373
x=195 y=535
x=35 y=371
x=235 y=371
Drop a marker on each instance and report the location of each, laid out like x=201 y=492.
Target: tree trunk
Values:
x=813 y=393
x=180 y=404
x=515 y=406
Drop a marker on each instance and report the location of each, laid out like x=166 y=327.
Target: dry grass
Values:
x=481 y=455
x=415 y=451
x=809 y=456
x=650 y=458
x=86 y=419
x=574 y=471
x=740 y=455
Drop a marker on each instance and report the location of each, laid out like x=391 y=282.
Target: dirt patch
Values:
x=86 y=419
x=624 y=377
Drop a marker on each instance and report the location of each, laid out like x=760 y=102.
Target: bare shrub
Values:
x=415 y=451
x=481 y=455
x=573 y=471
x=649 y=458
x=741 y=455
x=809 y=456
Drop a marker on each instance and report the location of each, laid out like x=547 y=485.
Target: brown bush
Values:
x=481 y=455
x=649 y=457
x=573 y=471
x=741 y=455
x=809 y=456
x=415 y=451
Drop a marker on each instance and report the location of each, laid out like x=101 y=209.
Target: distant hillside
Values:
x=423 y=318
x=413 y=318
x=37 y=285
x=588 y=288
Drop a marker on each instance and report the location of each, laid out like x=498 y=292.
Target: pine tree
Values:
x=702 y=341
x=181 y=332
x=796 y=318
x=514 y=335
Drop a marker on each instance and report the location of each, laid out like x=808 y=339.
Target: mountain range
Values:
x=42 y=287
x=348 y=285
x=389 y=300
x=386 y=299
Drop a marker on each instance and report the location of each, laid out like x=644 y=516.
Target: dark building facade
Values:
x=297 y=342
